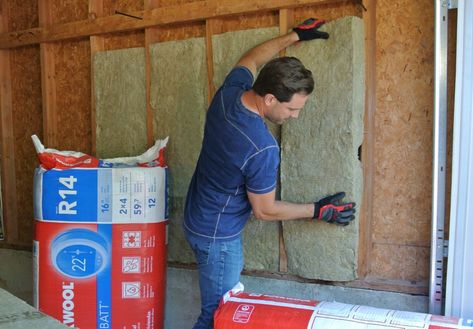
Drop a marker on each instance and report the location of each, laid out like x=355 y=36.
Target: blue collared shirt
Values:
x=238 y=154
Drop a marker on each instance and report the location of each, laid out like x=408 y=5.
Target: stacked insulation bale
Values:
x=100 y=238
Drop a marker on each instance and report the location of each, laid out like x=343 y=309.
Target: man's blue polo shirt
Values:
x=238 y=154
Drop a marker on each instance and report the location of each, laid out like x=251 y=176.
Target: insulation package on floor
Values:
x=100 y=240
x=238 y=310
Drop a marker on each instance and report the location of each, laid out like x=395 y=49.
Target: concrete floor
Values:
x=182 y=293
x=17 y=314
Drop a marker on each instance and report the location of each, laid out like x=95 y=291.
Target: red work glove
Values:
x=308 y=30
x=330 y=210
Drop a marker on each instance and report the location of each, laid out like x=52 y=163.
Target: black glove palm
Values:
x=308 y=30
x=330 y=210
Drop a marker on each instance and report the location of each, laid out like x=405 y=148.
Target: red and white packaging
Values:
x=100 y=241
x=238 y=310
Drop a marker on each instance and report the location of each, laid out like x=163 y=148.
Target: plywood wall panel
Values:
x=23 y=14
x=328 y=12
x=27 y=120
x=451 y=57
x=403 y=132
x=180 y=32
x=127 y=5
x=72 y=67
x=65 y=11
x=123 y=40
x=245 y=22
x=402 y=262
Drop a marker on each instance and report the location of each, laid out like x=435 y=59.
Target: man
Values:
x=237 y=168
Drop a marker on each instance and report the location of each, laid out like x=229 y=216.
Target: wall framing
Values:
x=166 y=20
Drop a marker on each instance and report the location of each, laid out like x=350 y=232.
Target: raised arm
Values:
x=254 y=58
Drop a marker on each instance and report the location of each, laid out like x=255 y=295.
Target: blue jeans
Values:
x=219 y=264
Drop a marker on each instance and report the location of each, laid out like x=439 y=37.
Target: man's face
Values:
x=279 y=112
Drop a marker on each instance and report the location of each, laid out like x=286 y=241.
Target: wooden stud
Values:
x=48 y=80
x=185 y=12
x=149 y=108
x=151 y=36
x=97 y=43
x=8 y=194
x=367 y=155
x=209 y=25
x=286 y=20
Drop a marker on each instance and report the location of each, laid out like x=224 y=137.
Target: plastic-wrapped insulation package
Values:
x=100 y=238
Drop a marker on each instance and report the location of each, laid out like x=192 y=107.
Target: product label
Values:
x=104 y=195
x=92 y=275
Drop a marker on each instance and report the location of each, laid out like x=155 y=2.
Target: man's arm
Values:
x=254 y=58
x=329 y=209
x=266 y=207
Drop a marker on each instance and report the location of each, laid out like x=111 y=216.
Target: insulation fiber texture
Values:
x=120 y=101
x=179 y=102
x=319 y=152
x=261 y=238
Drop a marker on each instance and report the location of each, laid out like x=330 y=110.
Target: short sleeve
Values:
x=261 y=170
x=240 y=77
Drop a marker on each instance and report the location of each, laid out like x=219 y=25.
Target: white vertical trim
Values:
x=459 y=291
x=439 y=158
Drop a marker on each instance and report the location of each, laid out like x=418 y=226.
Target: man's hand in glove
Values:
x=331 y=210
x=309 y=30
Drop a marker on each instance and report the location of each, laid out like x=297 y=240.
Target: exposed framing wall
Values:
x=68 y=115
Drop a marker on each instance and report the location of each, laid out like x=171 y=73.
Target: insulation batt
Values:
x=239 y=310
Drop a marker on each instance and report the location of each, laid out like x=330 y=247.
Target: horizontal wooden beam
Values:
x=186 y=12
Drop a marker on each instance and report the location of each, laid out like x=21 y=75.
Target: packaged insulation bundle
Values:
x=238 y=310
x=100 y=238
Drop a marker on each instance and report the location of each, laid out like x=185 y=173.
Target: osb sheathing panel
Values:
x=179 y=32
x=319 y=152
x=329 y=11
x=261 y=238
x=26 y=109
x=402 y=262
x=27 y=120
x=23 y=14
x=179 y=102
x=451 y=57
x=120 y=96
x=122 y=40
x=66 y=11
x=245 y=22
x=72 y=72
x=403 y=135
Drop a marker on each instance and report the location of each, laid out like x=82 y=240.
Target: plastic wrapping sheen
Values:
x=239 y=310
x=100 y=246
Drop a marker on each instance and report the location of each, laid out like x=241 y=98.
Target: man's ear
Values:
x=269 y=99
